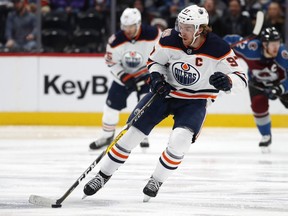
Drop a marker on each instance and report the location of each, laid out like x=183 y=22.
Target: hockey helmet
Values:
x=270 y=34
x=193 y=15
x=130 y=16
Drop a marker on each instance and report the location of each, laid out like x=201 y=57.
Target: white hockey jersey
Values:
x=188 y=70
x=130 y=56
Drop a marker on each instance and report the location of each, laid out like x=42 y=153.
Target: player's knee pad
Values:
x=131 y=139
x=110 y=116
x=180 y=141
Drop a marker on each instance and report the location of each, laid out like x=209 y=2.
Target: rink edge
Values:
x=94 y=119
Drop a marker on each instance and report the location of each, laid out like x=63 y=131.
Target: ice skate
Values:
x=265 y=143
x=101 y=142
x=145 y=143
x=95 y=184
x=151 y=189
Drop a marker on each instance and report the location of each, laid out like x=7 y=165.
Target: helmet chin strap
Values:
x=137 y=29
x=194 y=35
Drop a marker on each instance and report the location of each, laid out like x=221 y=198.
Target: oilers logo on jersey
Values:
x=185 y=74
x=132 y=59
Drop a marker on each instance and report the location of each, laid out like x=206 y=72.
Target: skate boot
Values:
x=144 y=143
x=95 y=184
x=265 y=143
x=101 y=142
x=151 y=189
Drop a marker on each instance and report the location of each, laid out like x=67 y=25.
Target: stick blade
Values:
x=43 y=201
x=259 y=23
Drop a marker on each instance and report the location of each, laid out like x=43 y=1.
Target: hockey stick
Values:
x=281 y=97
x=43 y=201
x=265 y=90
x=256 y=31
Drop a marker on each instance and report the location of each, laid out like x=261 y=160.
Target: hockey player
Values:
x=187 y=70
x=267 y=61
x=126 y=56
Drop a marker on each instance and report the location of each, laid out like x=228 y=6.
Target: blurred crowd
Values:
x=83 y=26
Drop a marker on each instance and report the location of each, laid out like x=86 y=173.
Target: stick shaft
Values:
x=256 y=31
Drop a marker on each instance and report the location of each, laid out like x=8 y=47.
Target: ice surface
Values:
x=224 y=174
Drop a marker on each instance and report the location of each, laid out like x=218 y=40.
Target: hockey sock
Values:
x=121 y=150
x=179 y=143
x=108 y=130
x=264 y=125
x=114 y=159
x=131 y=139
x=265 y=129
x=110 y=119
x=167 y=163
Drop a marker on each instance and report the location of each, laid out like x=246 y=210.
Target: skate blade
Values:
x=265 y=150
x=146 y=198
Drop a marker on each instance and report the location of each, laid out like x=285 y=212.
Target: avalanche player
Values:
x=187 y=70
x=267 y=61
x=126 y=56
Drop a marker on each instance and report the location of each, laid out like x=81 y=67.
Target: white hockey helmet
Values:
x=130 y=16
x=194 y=15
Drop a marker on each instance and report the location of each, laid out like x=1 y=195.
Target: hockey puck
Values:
x=56 y=205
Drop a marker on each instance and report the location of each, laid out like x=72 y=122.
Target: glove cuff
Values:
x=156 y=75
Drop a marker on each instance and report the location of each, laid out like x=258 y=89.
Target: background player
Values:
x=126 y=56
x=267 y=61
x=187 y=70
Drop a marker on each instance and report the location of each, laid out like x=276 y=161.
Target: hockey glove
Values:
x=274 y=92
x=159 y=85
x=129 y=81
x=220 y=81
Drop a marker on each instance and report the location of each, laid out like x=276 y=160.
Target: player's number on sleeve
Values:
x=232 y=61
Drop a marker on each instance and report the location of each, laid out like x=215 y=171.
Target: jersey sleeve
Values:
x=240 y=48
x=230 y=65
x=282 y=61
x=113 y=59
x=231 y=39
x=158 y=59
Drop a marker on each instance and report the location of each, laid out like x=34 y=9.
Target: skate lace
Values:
x=154 y=185
x=97 y=182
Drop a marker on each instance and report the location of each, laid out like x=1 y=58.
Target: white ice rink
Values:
x=224 y=174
